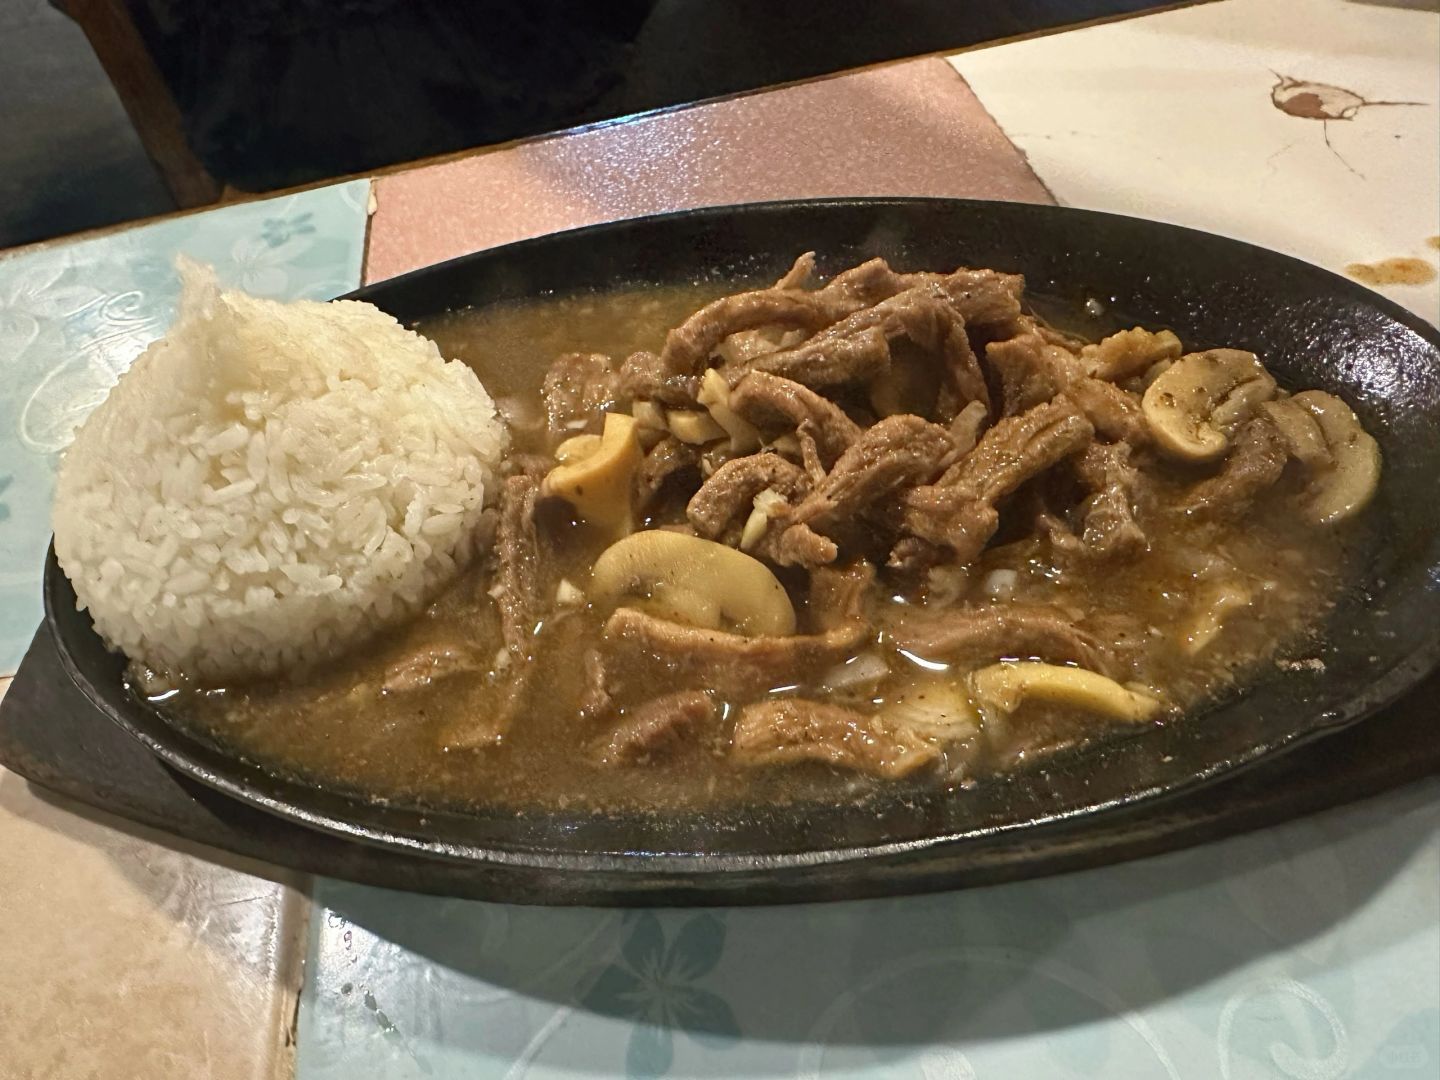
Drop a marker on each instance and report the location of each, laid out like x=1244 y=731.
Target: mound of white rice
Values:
x=270 y=483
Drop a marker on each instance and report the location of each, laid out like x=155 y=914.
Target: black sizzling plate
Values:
x=1313 y=329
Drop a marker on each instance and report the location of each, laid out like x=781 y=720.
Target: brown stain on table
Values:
x=1324 y=102
x=1399 y=271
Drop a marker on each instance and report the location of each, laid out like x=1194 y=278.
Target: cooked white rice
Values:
x=270 y=483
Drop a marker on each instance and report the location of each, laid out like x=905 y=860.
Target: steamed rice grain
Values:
x=270 y=483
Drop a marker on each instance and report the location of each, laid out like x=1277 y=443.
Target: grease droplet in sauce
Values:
x=1403 y=271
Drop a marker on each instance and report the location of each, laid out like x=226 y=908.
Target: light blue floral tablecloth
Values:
x=74 y=315
x=1305 y=952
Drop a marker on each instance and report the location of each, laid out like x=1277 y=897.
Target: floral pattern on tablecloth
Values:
x=74 y=315
x=1306 y=952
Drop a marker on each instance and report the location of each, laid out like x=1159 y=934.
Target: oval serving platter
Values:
x=1312 y=328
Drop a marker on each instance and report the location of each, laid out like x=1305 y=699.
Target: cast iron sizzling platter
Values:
x=1313 y=329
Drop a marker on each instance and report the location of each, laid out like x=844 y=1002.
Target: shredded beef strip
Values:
x=795 y=545
x=1030 y=371
x=800 y=275
x=725 y=500
x=658 y=728
x=858 y=348
x=595 y=700
x=1020 y=447
x=429 y=664
x=730 y=665
x=1254 y=465
x=1117 y=415
x=892 y=454
x=688 y=347
x=975 y=636
x=958 y=511
x=517 y=589
x=912 y=556
x=837 y=595
x=983 y=298
x=578 y=387
x=1109 y=528
x=644 y=376
x=665 y=459
x=810 y=458
x=1109 y=513
x=519 y=596
x=790 y=730
x=763 y=398
x=824 y=362
x=925 y=316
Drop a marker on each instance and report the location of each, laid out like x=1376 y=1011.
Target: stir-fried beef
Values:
x=428 y=664
x=1116 y=415
x=789 y=730
x=800 y=275
x=725 y=500
x=517 y=589
x=1030 y=371
x=765 y=400
x=883 y=437
x=577 y=389
x=689 y=346
x=1253 y=466
x=985 y=298
x=1107 y=516
x=825 y=362
x=958 y=511
x=837 y=595
x=1020 y=447
x=644 y=376
x=895 y=453
x=519 y=595
x=728 y=664
x=972 y=636
x=665 y=459
x=658 y=727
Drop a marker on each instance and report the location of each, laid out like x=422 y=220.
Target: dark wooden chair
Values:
x=147 y=99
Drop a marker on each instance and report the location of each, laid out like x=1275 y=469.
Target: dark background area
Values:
x=275 y=93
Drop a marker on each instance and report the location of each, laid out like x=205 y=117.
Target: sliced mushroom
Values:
x=595 y=475
x=1301 y=431
x=1347 y=486
x=1129 y=352
x=693 y=581
x=1195 y=405
x=1002 y=687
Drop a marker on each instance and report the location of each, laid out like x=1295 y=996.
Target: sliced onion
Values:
x=940 y=708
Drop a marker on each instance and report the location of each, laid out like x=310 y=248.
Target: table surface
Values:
x=1310 y=950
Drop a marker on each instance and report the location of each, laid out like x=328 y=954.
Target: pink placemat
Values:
x=906 y=129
